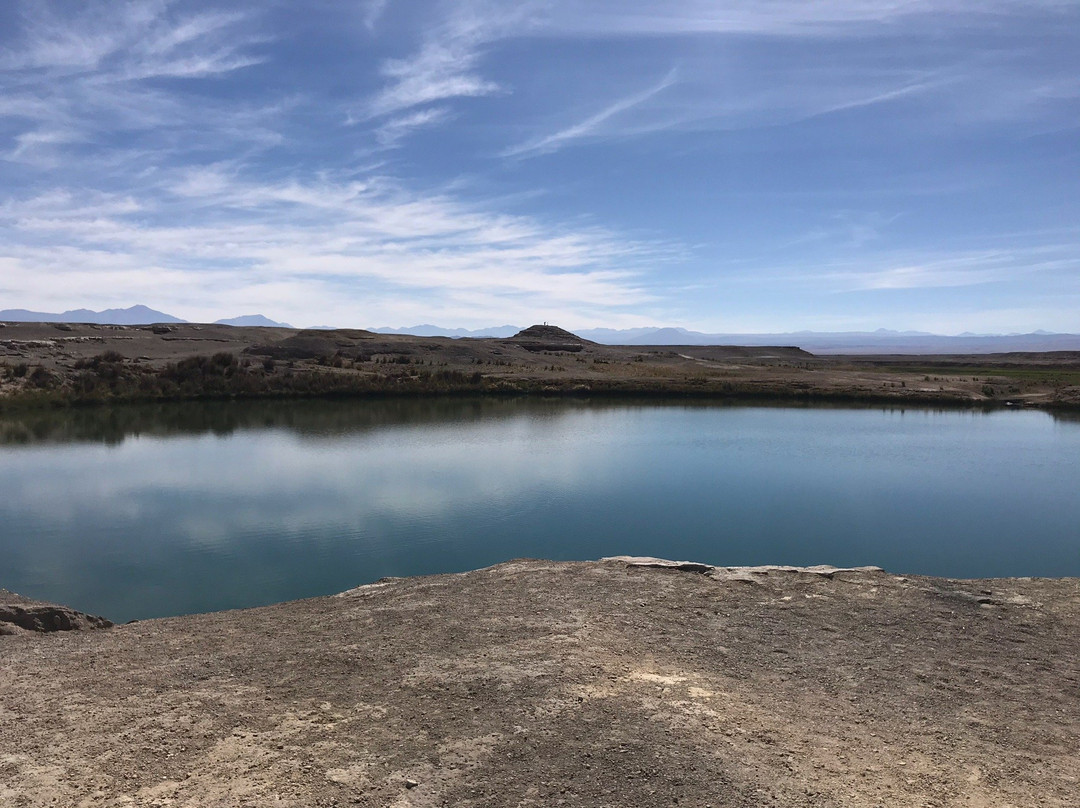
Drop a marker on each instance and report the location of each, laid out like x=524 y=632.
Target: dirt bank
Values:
x=19 y=615
x=579 y=684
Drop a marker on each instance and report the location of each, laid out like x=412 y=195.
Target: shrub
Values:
x=40 y=377
x=107 y=358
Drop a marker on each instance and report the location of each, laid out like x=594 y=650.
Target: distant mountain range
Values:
x=882 y=341
x=500 y=331
x=135 y=315
x=252 y=320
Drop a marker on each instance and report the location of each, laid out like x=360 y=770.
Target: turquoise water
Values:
x=141 y=512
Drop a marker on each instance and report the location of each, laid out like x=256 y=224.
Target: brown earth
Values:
x=20 y=615
x=613 y=683
x=71 y=363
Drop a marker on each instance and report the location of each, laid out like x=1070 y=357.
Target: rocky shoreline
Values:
x=623 y=682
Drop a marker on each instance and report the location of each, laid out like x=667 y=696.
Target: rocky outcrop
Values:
x=19 y=614
x=635 y=682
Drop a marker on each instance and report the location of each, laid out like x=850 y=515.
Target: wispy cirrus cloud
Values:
x=725 y=88
x=76 y=78
x=391 y=132
x=372 y=11
x=440 y=71
x=606 y=18
x=129 y=41
x=1018 y=283
x=698 y=107
x=593 y=125
x=447 y=63
x=354 y=241
x=188 y=220
x=819 y=148
x=969 y=268
x=417 y=90
x=890 y=270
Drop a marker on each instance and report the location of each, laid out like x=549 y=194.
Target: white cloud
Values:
x=119 y=41
x=372 y=11
x=592 y=125
x=81 y=78
x=307 y=242
x=885 y=270
x=440 y=71
x=390 y=133
x=136 y=146
x=718 y=93
x=606 y=18
x=447 y=64
x=35 y=146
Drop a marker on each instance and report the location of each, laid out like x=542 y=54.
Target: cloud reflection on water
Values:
x=303 y=498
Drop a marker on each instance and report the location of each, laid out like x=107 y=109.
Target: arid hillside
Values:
x=71 y=363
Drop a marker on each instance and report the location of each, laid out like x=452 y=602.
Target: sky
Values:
x=724 y=166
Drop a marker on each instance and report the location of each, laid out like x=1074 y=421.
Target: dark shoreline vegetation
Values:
x=109 y=365
x=106 y=380
x=223 y=377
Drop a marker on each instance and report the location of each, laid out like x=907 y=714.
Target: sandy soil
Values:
x=534 y=683
x=540 y=360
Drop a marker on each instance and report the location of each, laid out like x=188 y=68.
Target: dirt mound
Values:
x=19 y=614
x=314 y=344
x=548 y=338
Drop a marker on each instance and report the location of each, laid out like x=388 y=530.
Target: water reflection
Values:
x=113 y=424
x=136 y=512
x=319 y=418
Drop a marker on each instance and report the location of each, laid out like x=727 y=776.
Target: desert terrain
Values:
x=625 y=682
x=66 y=363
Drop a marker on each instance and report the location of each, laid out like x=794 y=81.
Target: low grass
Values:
x=1046 y=375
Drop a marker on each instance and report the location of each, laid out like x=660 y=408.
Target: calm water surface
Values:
x=141 y=512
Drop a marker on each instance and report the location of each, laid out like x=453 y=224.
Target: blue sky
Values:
x=724 y=166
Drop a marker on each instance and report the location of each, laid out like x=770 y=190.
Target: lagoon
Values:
x=137 y=512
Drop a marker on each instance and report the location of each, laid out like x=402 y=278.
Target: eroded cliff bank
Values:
x=541 y=683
